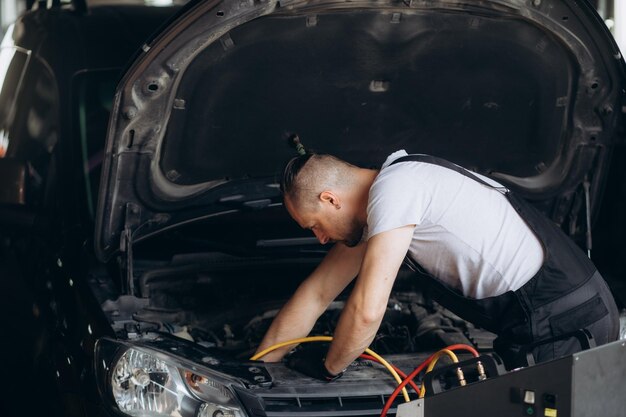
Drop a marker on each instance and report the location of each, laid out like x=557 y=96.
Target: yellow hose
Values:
x=432 y=363
x=328 y=339
x=291 y=342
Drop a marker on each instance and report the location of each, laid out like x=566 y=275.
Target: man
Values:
x=492 y=258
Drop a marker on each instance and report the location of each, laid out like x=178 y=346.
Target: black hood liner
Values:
x=483 y=91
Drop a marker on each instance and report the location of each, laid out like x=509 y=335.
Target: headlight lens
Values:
x=143 y=384
x=148 y=383
x=214 y=410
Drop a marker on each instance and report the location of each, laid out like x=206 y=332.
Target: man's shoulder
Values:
x=410 y=170
x=411 y=178
x=392 y=157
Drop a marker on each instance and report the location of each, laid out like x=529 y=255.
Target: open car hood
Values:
x=529 y=91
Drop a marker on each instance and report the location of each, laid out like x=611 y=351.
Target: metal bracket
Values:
x=131 y=222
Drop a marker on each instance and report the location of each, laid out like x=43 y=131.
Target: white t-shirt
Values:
x=466 y=234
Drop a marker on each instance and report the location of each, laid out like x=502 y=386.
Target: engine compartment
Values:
x=226 y=303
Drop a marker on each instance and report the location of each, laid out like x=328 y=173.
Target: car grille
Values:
x=353 y=406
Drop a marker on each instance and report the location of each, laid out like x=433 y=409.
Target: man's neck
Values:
x=365 y=179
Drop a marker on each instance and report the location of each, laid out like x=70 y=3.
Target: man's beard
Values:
x=355 y=235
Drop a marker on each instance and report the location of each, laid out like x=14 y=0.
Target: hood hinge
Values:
x=131 y=223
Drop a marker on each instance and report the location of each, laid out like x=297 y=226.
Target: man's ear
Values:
x=330 y=197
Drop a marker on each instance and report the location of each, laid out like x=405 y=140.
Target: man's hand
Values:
x=309 y=360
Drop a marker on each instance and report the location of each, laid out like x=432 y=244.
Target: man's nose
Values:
x=321 y=237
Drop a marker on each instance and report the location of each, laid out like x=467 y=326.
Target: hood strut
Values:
x=131 y=223
x=586 y=187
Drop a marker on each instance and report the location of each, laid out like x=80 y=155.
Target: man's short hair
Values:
x=306 y=176
x=291 y=171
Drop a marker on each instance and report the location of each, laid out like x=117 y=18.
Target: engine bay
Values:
x=227 y=305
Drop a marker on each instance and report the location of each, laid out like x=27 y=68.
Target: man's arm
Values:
x=367 y=303
x=297 y=317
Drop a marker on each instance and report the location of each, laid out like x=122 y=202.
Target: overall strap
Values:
x=446 y=164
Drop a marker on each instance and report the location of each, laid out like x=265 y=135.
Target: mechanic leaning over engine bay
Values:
x=490 y=257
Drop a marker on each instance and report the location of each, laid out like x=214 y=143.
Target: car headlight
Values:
x=143 y=382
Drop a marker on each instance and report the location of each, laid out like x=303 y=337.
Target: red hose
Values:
x=402 y=374
x=416 y=371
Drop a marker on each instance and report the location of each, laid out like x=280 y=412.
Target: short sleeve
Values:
x=395 y=200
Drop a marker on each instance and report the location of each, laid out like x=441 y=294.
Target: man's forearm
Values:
x=367 y=303
x=297 y=317
x=290 y=323
x=354 y=333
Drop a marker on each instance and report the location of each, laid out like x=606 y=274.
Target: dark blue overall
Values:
x=566 y=294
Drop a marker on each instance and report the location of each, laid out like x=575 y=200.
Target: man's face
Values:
x=328 y=222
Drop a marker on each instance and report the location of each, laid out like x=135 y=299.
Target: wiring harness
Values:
x=400 y=377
